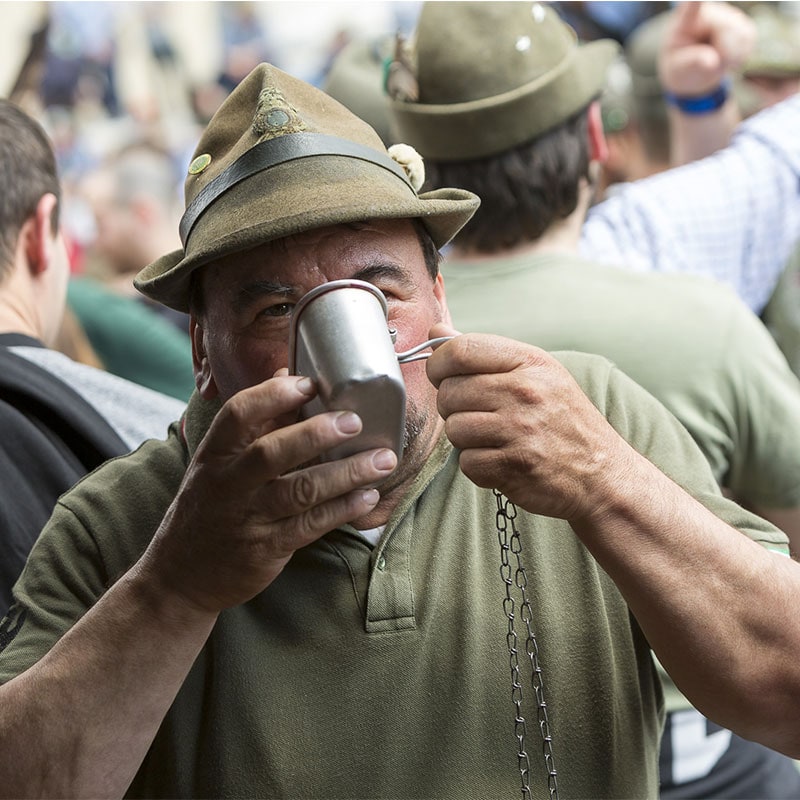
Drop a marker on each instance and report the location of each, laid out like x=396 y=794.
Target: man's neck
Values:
x=15 y=317
x=21 y=309
x=398 y=485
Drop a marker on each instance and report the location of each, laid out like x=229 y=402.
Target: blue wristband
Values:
x=704 y=104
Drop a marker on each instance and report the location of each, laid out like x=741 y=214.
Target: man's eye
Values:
x=388 y=293
x=278 y=310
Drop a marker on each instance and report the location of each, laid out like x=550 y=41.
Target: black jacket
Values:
x=49 y=438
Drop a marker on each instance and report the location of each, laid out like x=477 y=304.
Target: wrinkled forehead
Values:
x=313 y=256
x=346 y=236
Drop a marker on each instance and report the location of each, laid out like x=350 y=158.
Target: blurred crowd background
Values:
x=105 y=76
x=125 y=88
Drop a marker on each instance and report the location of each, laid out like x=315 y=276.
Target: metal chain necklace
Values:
x=510 y=543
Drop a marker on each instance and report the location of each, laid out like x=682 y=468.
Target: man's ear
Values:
x=203 y=377
x=598 y=147
x=38 y=238
x=441 y=298
x=622 y=155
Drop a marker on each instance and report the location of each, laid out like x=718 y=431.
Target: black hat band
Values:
x=272 y=152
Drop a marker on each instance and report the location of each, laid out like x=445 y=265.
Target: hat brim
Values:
x=270 y=206
x=503 y=121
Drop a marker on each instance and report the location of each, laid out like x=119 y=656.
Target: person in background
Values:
x=637 y=127
x=638 y=117
x=733 y=216
x=515 y=270
x=640 y=105
x=134 y=198
x=770 y=75
x=58 y=419
x=697 y=220
x=635 y=118
x=232 y=613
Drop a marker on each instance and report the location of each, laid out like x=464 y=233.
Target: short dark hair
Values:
x=523 y=190
x=28 y=170
x=432 y=256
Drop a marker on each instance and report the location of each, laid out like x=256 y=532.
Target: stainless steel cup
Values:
x=340 y=337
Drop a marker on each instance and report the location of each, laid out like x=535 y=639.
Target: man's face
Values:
x=243 y=337
x=117 y=233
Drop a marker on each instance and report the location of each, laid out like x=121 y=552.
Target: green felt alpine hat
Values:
x=491 y=76
x=281 y=157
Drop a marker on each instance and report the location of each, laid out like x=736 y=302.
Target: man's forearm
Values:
x=703 y=45
x=79 y=722
x=716 y=607
x=694 y=136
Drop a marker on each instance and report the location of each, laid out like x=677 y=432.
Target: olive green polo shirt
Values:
x=384 y=672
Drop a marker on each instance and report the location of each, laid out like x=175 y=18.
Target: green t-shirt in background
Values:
x=132 y=339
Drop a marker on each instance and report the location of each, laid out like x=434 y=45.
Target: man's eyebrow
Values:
x=382 y=270
x=261 y=288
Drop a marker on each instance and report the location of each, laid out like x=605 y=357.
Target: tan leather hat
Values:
x=491 y=76
x=281 y=157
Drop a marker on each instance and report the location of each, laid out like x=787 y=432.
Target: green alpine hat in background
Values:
x=491 y=76
x=775 y=56
x=777 y=50
x=616 y=103
x=281 y=157
x=641 y=52
x=355 y=79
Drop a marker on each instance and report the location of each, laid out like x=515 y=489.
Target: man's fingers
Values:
x=736 y=43
x=694 y=61
x=296 y=492
x=687 y=17
x=301 y=530
x=284 y=449
x=464 y=355
x=252 y=413
x=467 y=393
x=479 y=354
x=440 y=330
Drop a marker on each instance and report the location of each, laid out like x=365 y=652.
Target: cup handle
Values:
x=416 y=354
